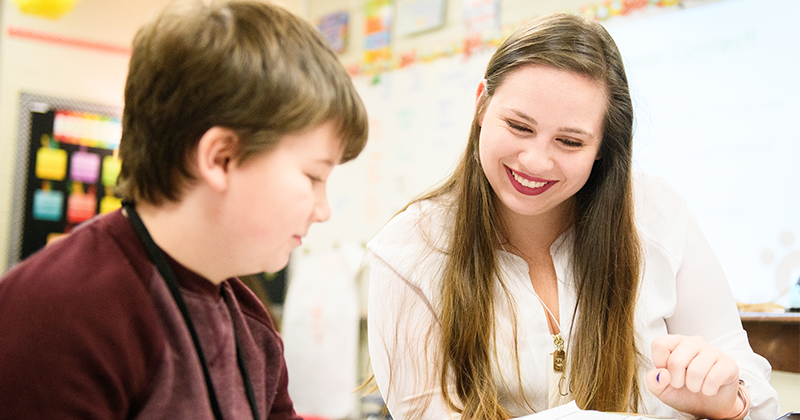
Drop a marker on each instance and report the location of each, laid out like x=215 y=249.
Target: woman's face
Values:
x=540 y=136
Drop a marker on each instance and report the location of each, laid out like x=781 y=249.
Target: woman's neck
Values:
x=535 y=234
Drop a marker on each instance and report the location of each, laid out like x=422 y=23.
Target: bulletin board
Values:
x=66 y=167
x=715 y=93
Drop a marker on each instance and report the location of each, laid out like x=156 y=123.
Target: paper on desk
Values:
x=571 y=411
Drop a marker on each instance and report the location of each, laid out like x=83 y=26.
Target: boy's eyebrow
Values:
x=326 y=161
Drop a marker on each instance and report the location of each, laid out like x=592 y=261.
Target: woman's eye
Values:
x=570 y=142
x=314 y=179
x=517 y=127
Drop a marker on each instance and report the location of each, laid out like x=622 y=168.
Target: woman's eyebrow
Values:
x=533 y=122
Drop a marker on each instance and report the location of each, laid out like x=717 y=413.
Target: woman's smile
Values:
x=528 y=185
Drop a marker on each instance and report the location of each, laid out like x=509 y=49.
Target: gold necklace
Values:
x=559 y=355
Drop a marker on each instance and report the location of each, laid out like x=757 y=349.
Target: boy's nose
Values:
x=322 y=212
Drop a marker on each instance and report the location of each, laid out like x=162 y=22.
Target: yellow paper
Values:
x=51 y=164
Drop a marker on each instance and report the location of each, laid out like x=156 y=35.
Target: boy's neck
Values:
x=181 y=231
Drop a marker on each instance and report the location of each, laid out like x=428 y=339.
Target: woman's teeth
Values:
x=525 y=182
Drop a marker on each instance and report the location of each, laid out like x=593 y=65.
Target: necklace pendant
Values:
x=559 y=355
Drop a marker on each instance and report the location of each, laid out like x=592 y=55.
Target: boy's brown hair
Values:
x=252 y=67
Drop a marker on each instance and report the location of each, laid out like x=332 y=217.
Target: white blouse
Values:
x=683 y=291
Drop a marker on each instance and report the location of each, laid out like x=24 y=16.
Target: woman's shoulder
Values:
x=416 y=239
x=651 y=189
x=661 y=212
x=417 y=224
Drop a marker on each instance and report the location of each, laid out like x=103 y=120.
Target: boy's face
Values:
x=274 y=198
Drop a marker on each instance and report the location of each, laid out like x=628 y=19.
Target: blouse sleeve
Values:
x=705 y=306
x=402 y=327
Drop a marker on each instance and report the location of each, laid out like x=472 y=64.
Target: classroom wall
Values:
x=57 y=70
x=452 y=31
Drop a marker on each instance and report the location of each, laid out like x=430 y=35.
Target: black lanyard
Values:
x=157 y=257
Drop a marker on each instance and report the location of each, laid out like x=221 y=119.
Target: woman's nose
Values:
x=536 y=157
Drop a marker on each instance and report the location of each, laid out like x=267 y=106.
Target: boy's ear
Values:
x=215 y=156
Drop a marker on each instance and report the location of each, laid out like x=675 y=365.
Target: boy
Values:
x=235 y=114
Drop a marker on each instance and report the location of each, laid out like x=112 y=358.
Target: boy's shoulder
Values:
x=101 y=250
x=78 y=312
x=97 y=269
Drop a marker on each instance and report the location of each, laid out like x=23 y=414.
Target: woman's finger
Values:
x=681 y=357
x=661 y=348
x=724 y=372
x=658 y=381
x=699 y=368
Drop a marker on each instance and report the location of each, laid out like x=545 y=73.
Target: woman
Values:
x=544 y=271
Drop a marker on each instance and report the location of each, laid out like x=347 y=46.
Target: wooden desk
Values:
x=776 y=337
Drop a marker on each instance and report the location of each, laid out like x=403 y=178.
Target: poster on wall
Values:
x=481 y=17
x=334 y=27
x=66 y=169
x=378 y=30
x=414 y=16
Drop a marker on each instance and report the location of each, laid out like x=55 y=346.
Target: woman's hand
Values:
x=694 y=377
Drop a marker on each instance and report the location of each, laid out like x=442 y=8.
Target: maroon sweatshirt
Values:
x=89 y=330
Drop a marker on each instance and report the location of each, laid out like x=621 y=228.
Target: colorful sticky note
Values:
x=54 y=236
x=85 y=167
x=81 y=207
x=111 y=167
x=109 y=203
x=51 y=164
x=48 y=205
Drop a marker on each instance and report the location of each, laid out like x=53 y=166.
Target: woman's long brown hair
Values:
x=606 y=260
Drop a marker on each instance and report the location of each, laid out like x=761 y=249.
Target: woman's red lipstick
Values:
x=528 y=190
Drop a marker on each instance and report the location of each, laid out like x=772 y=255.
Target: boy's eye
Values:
x=517 y=127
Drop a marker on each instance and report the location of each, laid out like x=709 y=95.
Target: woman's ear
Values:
x=215 y=156
x=478 y=94
x=481 y=90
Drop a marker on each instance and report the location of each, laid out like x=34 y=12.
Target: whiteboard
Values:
x=716 y=91
x=717 y=101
